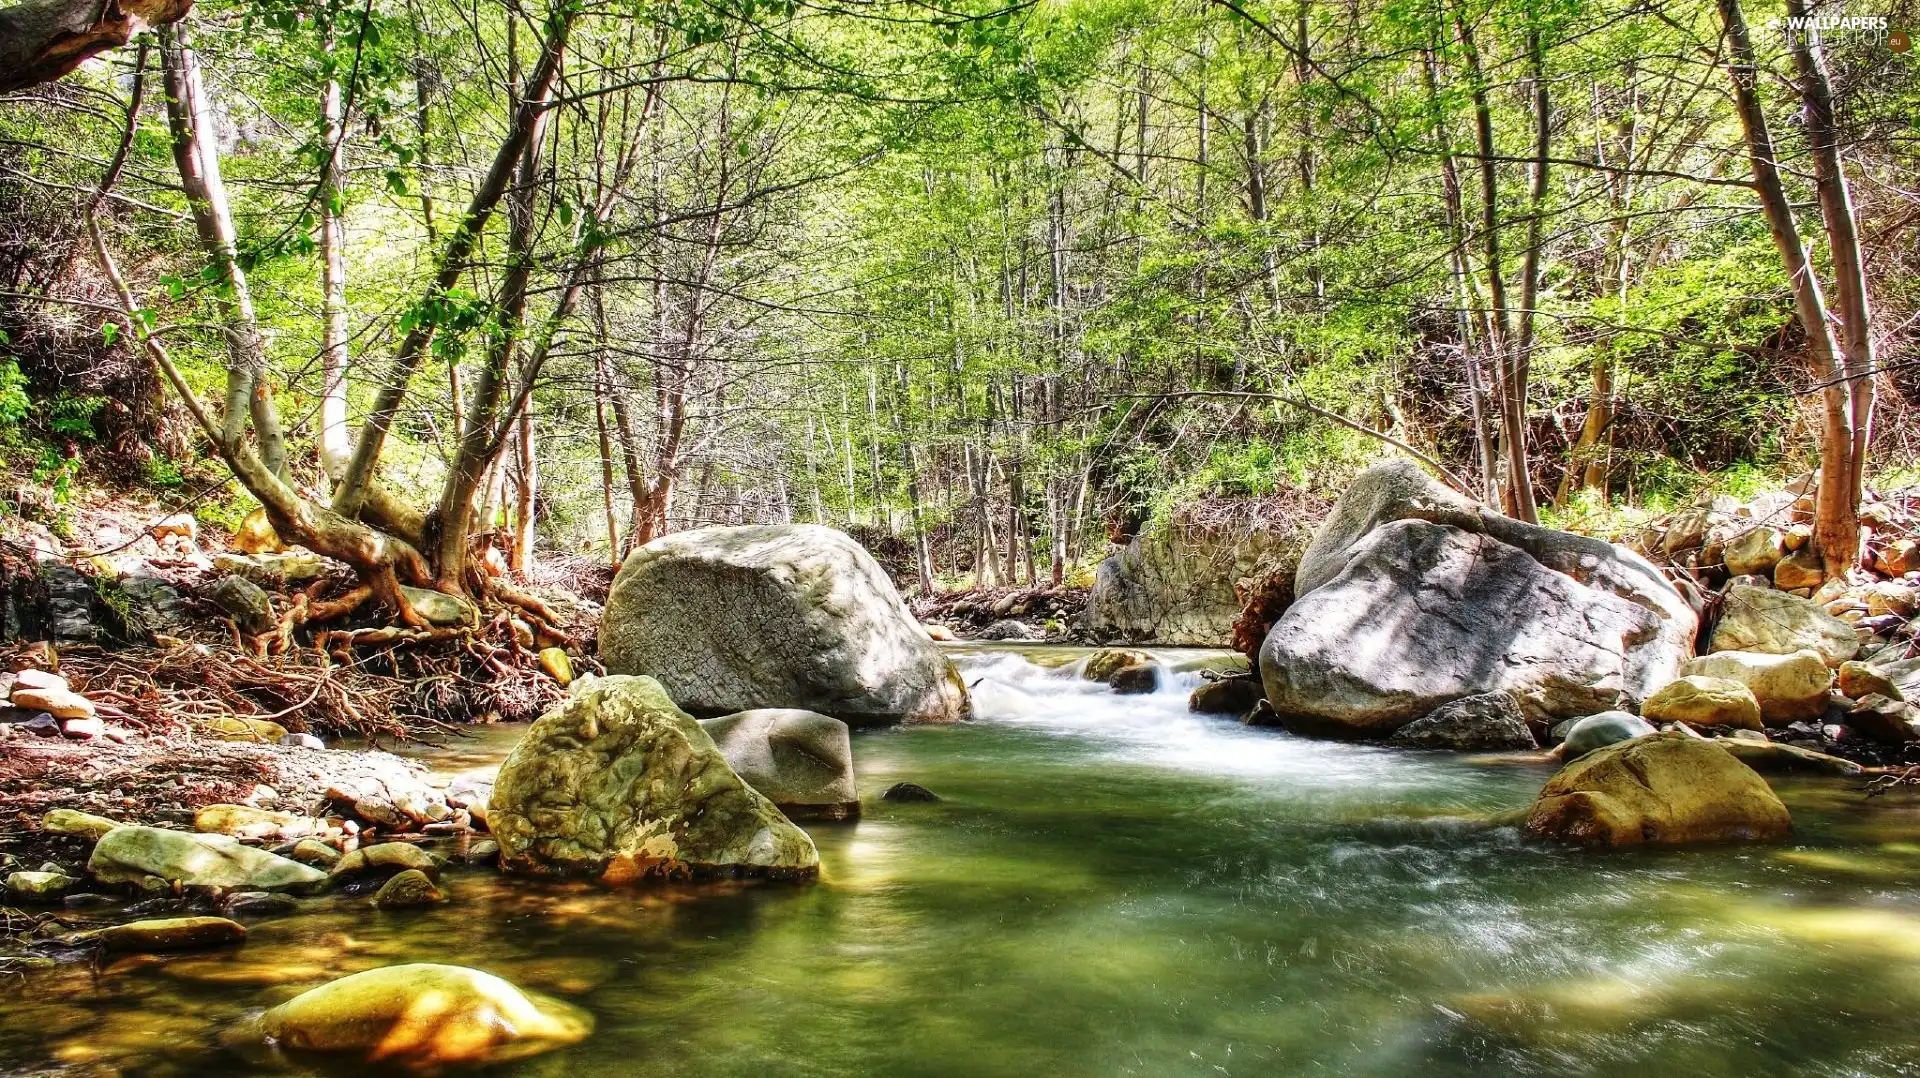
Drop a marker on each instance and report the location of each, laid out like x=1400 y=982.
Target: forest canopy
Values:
x=999 y=280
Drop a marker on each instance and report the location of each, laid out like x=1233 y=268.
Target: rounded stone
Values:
x=1599 y=731
x=1699 y=700
x=421 y=1017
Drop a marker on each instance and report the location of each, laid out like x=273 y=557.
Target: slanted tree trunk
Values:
x=43 y=40
x=353 y=491
x=1836 y=521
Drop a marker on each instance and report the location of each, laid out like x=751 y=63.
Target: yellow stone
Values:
x=555 y=662
x=75 y=822
x=1664 y=789
x=421 y=1016
x=240 y=728
x=256 y=535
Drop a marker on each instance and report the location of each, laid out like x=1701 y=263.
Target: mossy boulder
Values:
x=422 y=1017
x=1667 y=789
x=136 y=855
x=618 y=783
x=1103 y=664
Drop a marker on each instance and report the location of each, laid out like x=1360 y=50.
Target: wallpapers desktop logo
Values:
x=1841 y=30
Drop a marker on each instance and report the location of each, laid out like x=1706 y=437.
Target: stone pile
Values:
x=36 y=703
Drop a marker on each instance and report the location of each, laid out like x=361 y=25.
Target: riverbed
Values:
x=1114 y=886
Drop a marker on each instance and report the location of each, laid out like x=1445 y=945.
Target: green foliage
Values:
x=14 y=403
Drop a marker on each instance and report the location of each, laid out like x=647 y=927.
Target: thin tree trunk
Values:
x=534 y=101
x=1850 y=296
x=1836 y=522
x=335 y=444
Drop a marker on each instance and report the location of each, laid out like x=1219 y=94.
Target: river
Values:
x=1114 y=886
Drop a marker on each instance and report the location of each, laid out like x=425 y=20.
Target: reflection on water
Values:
x=1113 y=886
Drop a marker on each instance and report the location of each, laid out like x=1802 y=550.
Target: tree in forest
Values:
x=1839 y=332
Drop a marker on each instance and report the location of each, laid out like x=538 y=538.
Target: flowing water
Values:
x=1113 y=886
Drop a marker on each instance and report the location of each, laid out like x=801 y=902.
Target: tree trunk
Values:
x=1836 y=521
x=352 y=493
x=43 y=40
x=1851 y=302
x=335 y=445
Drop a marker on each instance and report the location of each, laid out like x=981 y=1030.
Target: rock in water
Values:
x=1226 y=696
x=1787 y=687
x=421 y=1017
x=1668 y=789
x=1412 y=596
x=1599 y=731
x=1774 y=623
x=1487 y=722
x=167 y=934
x=406 y=890
x=788 y=616
x=386 y=859
x=1137 y=679
x=1103 y=664
x=617 y=783
x=909 y=792
x=133 y=855
x=1698 y=700
x=801 y=761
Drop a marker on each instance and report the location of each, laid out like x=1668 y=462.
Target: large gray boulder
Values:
x=1178 y=582
x=733 y=619
x=1412 y=596
x=618 y=784
x=802 y=761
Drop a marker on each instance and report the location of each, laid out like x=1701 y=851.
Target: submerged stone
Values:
x=421 y=1017
x=909 y=792
x=167 y=934
x=406 y=889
